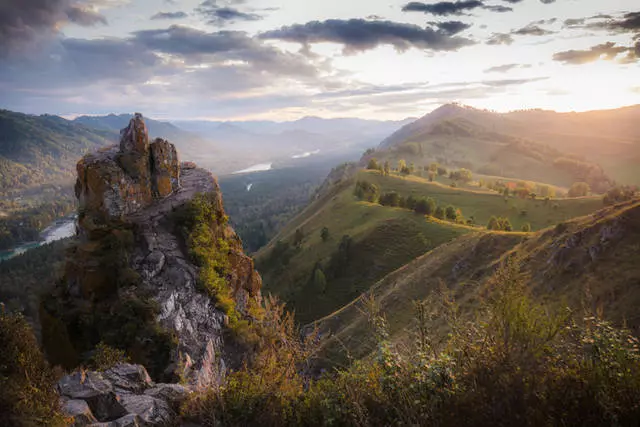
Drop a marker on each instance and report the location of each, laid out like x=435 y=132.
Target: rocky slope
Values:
x=131 y=281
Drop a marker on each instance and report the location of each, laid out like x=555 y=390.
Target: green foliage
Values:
x=201 y=219
x=463 y=175
x=298 y=237
x=106 y=357
x=620 y=194
x=499 y=224
x=366 y=191
x=579 y=189
x=390 y=199
x=27 y=395
x=526 y=228
x=518 y=362
x=450 y=213
x=440 y=213
x=425 y=206
x=373 y=164
x=386 y=170
x=325 y=234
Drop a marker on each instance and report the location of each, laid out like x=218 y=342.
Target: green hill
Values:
x=43 y=149
x=556 y=148
x=315 y=276
x=590 y=260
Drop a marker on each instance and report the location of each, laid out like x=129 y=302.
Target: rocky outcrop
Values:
x=132 y=259
x=121 y=396
x=119 y=181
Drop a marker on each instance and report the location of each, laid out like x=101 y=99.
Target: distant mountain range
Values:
x=610 y=138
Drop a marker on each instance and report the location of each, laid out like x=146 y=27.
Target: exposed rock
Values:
x=80 y=412
x=96 y=391
x=129 y=194
x=121 y=396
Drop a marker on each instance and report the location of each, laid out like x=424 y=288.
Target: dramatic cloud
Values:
x=445 y=8
x=505 y=68
x=24 y=21
x=626 y=23
x=169 y=15
x=357 y=35
x=221 y=13
x=533 y=29
x=607 y=51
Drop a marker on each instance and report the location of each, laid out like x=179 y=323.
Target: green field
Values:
x=481 y=204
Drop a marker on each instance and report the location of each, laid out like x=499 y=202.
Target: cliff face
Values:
x=132 y=281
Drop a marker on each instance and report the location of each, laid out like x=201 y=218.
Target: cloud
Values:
x=443 y=8
x=446 y=8
x=223 y=12
x=169 y=15
x=451 y=27
x=22 y=22
x=505 y=68
x=532 y=30
x=625 y=23
x=607 y=51
x=357 y=35
x=500 y=38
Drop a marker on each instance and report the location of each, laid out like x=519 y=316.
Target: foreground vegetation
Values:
x=516 y=362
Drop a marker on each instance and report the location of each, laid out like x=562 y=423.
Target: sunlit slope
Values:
x=591 y=261
x=382 y=238
x=481 y=204
x=524 y=144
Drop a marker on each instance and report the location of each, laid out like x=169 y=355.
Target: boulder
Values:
x=96 y=391
x=148 y=409
x=79 y=411
x=129 y=378
x=165 y=168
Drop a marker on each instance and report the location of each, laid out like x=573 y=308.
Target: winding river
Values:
x=59 y=229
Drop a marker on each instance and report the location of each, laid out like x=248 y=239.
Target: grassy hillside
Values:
x=482 y=204
x=379 y=238
x=591 y=260
x=525 y=144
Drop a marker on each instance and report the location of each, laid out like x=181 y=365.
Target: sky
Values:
x=286 y=59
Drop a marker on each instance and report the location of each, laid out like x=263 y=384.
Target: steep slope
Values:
x=590 y=260
x=364 y=241
x=156 y=271
x=43 y=149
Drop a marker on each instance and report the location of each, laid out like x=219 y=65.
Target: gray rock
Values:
x=130 y=378
x=80 y=411
x=130 y=420
x=174 y=394
x=97 y=392
x=150 y=411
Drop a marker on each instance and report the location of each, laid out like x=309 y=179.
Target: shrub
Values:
x=27 y=395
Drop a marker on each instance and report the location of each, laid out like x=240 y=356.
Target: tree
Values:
x=439 y=212
x=373 y=164
x=390 y=199
x=401 y=165
x=386 y=170
x=324 y=234
x=579 y=189
x=442 y=171
x=319 y=280
x=432 y=176
x=433 y=167
x=499 y=224
x=366 y=191
x=506 y=192
x=298 y=238
x=463 y=175
x=450 y=213
x=27 y=395
x=425 y=206
x=410 y=202
x=526 y=228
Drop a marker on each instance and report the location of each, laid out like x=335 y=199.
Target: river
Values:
x=59 y=229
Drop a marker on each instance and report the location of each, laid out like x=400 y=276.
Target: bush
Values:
x=27 y=393
x=499 y=224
